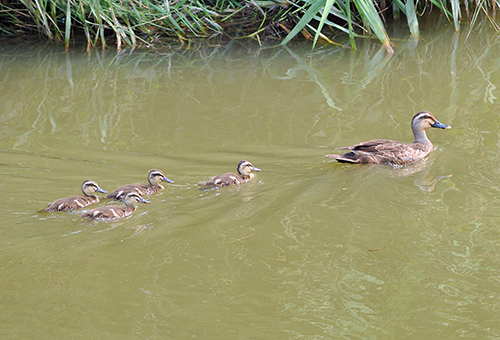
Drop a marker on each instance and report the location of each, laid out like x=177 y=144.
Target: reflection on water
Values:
x=421 y=173
x=286 y=255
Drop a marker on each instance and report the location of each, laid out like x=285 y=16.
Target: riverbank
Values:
x=153 y=24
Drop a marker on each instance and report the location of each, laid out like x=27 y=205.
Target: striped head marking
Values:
x=132 y=198
x=245 y=168
x=89 y=187
x=424 y=120
x=156 y=176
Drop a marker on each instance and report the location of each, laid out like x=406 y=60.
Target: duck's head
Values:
x=425 y=120
x=156 y=176
x=245 y=168
x=133 y=198
x=89 y=187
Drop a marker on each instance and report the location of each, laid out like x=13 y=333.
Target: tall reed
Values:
x=122 y=23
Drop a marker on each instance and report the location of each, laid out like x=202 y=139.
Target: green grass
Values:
x=138 y=23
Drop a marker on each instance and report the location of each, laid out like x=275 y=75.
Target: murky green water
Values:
x=286 y=256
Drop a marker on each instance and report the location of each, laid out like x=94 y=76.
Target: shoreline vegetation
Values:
x=149 y=23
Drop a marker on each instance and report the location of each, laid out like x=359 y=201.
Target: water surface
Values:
x=309 y=249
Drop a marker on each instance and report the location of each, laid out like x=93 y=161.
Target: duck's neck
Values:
x=247 y=176
x=421 y=137
x=156 y=185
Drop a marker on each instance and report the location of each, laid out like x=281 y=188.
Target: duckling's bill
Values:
x=142 y=200
x=168 y=180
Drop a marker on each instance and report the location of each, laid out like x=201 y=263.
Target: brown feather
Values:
x=229 y=178
x=71 y=203
x=109 y=213
x=113 y=212
x=382 y=151
x=141 y=189
x=155 y=176
x=89 y=188
x=245 y=173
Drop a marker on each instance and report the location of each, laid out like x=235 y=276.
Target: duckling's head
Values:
x=246 y=168
x=156 y=176
x=89 y=187
x=425 y=120
x=132 y=198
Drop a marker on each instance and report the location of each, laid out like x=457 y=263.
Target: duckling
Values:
x=245 y=173
x=155 y=176
x=113 y=212
x=89 y=187
x=381 y=151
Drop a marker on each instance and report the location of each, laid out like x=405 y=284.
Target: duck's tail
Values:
x=342 y=159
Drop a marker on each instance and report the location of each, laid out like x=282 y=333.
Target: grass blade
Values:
x=306 y=18
x=455 y=9
x=326 y=10
x=369 y=14
x=67 y=32
x=349 y=24
x=412 y=19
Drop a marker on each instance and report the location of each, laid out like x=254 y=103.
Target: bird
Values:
x=245 y=173
x=155 y=176
x=382 y=151
x=113 y=212
x=89 y=187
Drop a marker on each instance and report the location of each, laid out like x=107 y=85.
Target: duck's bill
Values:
x=165 y=179
x=142 y=200
x=439 y=125
x=256 y=169
x=101 y=191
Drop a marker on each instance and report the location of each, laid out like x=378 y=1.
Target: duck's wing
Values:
x=108 y=213
x=404 y=154
x=376 y=146
x=223 y=180
x=121 y=192
x=383 y=151
x=71 y=203
x=391 y=152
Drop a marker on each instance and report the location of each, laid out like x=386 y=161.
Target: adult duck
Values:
x=382 y=151
x=155 y=177
x=245 y=173
x=89 y=188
